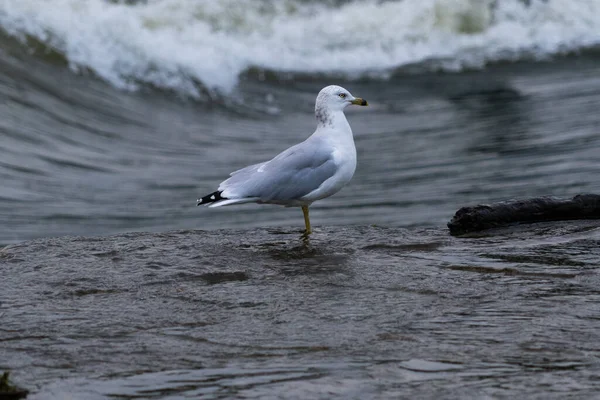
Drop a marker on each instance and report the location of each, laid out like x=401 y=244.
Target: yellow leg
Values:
x=306 y=220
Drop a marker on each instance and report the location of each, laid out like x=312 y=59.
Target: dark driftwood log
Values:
x=484 y=216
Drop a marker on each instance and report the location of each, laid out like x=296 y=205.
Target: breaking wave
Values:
x=192 y=46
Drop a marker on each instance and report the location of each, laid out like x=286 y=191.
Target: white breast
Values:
x=344 y=156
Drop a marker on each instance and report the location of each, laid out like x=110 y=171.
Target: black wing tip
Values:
x=211 y=198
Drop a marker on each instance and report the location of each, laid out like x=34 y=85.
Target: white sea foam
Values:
x=175 y=44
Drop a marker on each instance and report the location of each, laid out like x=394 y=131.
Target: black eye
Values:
x=342 y=95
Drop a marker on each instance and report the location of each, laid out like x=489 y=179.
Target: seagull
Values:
x=309 y=171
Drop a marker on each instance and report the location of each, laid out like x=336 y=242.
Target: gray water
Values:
x=380 y=303
x=352 y=313
x=80 y=157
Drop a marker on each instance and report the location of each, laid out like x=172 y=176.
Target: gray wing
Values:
x=291 y=175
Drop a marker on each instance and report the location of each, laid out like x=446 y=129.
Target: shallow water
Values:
x=352 y=313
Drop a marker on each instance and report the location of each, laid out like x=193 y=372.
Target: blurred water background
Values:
x=116 y=116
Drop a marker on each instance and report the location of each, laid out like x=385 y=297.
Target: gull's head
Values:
x=336 y=98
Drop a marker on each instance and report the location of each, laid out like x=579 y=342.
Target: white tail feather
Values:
x=233 y=201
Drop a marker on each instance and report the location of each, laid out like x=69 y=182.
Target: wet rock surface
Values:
x=8 y=391
x=362 y=312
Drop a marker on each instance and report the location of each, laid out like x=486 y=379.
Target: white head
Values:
x=337 y=98
x=334 y=98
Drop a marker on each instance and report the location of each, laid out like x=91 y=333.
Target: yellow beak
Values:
x=359 y=102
